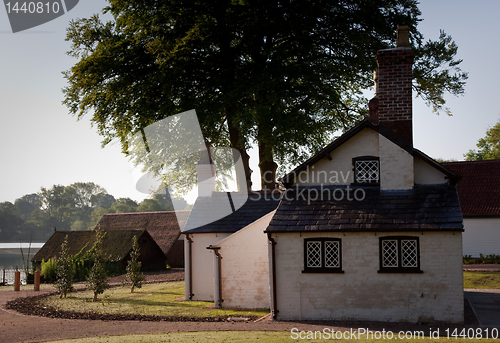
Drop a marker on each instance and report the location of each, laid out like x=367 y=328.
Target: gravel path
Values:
x=15 y=327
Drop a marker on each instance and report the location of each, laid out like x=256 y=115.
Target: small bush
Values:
x=49 y=269
x=97 y=280
x=65 y=270
x=134 y=275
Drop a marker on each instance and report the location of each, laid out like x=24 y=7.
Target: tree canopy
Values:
x=283 y=74
x=488 y=146
x=79 y=206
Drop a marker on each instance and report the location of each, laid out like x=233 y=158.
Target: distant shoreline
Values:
x=17 y=251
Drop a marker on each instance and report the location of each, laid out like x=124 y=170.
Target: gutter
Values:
x=189 y=267
x=274 y=310
x=218 y=279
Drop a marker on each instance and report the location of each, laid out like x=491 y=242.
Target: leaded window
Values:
x=366 y=170
x=399 y=254
x=322 y=255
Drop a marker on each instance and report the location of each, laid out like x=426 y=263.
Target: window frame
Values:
x=399 y=268
x=323 y=269
x=365 y=159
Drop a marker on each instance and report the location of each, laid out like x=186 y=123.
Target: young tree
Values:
x=489 y=146
x=64 y=271
x=97 y=281
x=283 y=74
x=134 y=275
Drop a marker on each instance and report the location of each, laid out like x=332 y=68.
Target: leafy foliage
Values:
x=489 y=146
x=134 y=275
x=97 y=280
x=49 y=269
x=65 y=271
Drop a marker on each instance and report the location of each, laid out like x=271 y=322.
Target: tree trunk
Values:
x=95 y=298
x=132 y=289
x=243 y=181
x=267 y=166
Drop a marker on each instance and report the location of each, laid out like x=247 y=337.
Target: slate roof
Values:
x=163 y=226
x=288 y=179
x=479 y=188
x=225 y=220
x=116 y=244
x=425 y=208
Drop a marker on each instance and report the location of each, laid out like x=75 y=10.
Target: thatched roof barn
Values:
x=165 y=228
x=117 y=247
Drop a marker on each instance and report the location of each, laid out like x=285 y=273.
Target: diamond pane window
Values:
x=390 y=253
x=366 y=170
x=399 y=254
x=332 y=254
x=313 y=254
x=409 y=253
x=322 y=255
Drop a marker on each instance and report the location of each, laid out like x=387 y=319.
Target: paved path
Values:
x=481 y=267
x=486 y=305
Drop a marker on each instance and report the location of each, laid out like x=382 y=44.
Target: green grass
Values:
x=481 y=280
x=156 y=299
x=243 y=337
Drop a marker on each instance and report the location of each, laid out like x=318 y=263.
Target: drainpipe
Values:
x=274 y=309
x=217 y=285
x=189 y=269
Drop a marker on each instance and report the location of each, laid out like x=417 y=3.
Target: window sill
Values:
x=366 y=184
x=400 y=271
x=323 y=271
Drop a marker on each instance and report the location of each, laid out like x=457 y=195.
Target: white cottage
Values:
x=370 y=228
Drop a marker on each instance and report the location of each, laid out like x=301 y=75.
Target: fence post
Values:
x=37 y=281
x=3 y=283
x=17 y=280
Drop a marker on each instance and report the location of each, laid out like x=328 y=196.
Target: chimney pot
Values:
x=403 y=37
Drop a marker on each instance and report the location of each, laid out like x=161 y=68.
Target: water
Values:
x=11 y=257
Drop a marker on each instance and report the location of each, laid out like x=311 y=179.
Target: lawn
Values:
x=156 y=299
x=244 y=337
x=481 y=280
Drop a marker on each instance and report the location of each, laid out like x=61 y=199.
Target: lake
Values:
x=10 y=254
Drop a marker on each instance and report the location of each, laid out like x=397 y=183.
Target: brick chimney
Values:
x=392 y=103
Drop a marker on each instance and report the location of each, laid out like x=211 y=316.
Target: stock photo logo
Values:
x=25 y=15
x=171 y=155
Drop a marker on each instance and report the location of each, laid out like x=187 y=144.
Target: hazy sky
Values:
x=42 y=145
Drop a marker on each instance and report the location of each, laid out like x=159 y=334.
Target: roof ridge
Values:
x=152 y=212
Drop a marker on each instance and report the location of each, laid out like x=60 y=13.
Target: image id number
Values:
x=32 y=7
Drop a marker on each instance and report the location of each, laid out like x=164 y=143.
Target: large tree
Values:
x=282 y=74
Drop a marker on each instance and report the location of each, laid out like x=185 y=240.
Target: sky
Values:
x=41 y=144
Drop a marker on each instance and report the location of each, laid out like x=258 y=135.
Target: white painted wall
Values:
x=203 y=264
x=339 y=171
x=481 y=236
x=425 y=174
x=396 y=166
x=245 y=267
x=361 y=293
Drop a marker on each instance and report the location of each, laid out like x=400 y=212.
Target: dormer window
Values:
x=366 y=170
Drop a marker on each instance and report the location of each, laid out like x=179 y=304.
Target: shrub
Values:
x=48 y=269
x=97 y=280
x=65 y=270
x=134 y=276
